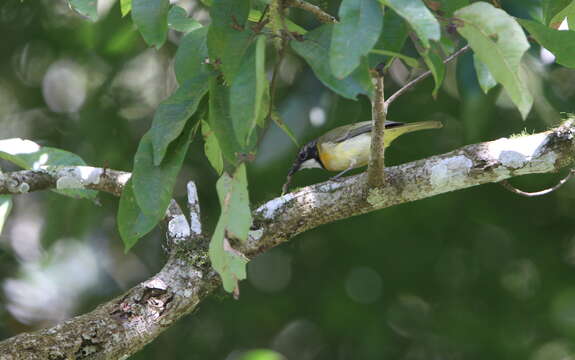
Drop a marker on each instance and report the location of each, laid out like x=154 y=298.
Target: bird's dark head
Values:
x=307 y=158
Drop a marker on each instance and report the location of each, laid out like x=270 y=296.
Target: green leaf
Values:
x=407 y=59
x=261 y=354
x=221 y=122
x=315 y=50
x=484 y=77
x=560 y=42
x=571 y=21
x=229 y=35
x=212 y=148
x=5 y=208
x=173 y=114
x=436 y=66
x=132 y=222
x=419 y=17
x=125 y=7
x=153 y=185
x=178 y=20
x=29 y=155
x=448 y=7
x=87 y=8
x=355 y=35
x=191 y=55
x=391 y=39
x=151 y=19
x=234 y=224
x=262 y=86
x=282 y=125
x=499 y=42
x=246 y=93
x=554 y=11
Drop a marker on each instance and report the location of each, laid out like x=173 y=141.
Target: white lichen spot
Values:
x=23 y=188
x=178 y=227
x=195 y=224
x=269 y=209
x=68 y=182
x=90 y=175
x=123 y=179
x=255 y=235
x=512 y=152
x=512 y=159
x=156 y=284
x=450 y=172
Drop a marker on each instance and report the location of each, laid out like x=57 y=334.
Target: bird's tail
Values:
x=394 y=132
x=422 y=125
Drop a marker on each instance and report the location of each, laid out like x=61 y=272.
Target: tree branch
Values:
x=123 y=325
x=421 y=77
x=315 y=10
x=376 y=168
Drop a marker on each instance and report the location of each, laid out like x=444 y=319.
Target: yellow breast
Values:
x=349 y=154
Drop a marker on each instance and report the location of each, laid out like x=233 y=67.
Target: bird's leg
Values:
x=338 y=176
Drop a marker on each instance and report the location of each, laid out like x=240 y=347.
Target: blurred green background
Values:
x=476 y=274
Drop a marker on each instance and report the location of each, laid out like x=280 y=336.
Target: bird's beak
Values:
x=295 y=167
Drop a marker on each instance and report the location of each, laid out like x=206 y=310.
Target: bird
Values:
x=349 y=146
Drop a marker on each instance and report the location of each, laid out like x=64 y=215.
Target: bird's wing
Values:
x=355 y=130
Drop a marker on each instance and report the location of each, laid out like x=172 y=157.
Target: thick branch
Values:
x=376 y=168
x=124 y=325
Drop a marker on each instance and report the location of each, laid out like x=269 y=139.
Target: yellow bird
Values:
x=348 y=147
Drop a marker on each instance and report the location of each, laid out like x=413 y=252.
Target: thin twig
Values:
x=513 y=189
x=321 y=15
x=375 y=171
x=426 y=74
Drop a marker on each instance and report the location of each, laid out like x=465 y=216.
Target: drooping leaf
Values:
x=571 y=21
x=229 y=35
x=246 y=93
x=419 y=18
x=315 y=50
x=125 y=7
x=29 y=155
x=191 y=55
x=87 y=8
x=282 y=125
x=484 y=77
x=178 y=20
x=173 y=113
x=391 y=39
x=153 y=185
x=499 y=42
x=221 y=122
x=5 y=208
x=212 y=148
x=151 y=19
x=355 y=35
x=132 y=222
x=262 y=87
x=554 y=11
x=234 y=224
x=560 y=42
x=436 y=66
